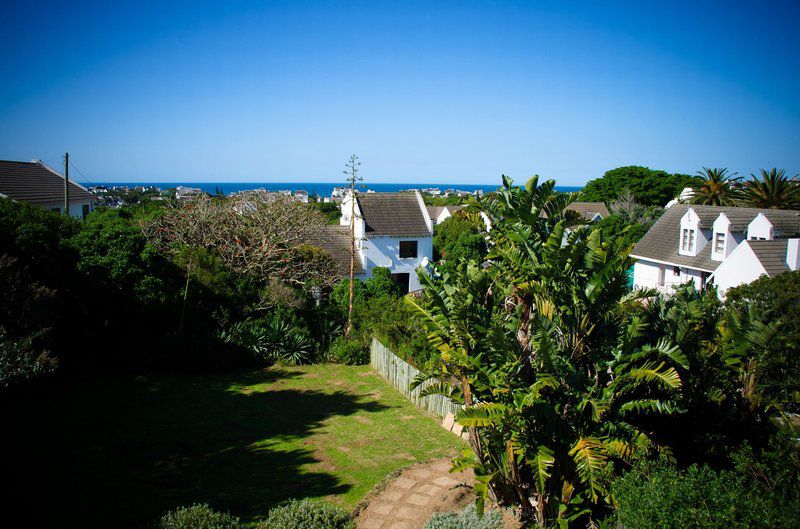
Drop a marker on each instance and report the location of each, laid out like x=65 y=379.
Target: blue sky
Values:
x=423 y=91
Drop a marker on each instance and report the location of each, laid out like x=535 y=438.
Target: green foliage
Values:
x=716 y=187
x=649 y=187
x=459 y=238
x=452 y=200
x=775 y=299
x=378 y=310
x=269 y=341
x=308 y=514
x=23 y=359
x=772 y=190
x=754 y=494
x=198 y=516
x=566 y=375
x=616 y=226
x=466 y=519
x=350 y=352
x=381 y=284
x=330 y=211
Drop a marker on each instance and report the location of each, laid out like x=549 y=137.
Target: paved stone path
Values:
x=408 y=500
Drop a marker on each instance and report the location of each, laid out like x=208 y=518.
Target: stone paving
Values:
x=409 y=500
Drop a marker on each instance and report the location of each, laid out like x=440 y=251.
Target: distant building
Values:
x=39 y=184
x=590 y=211
x=183 y=192
x=724 y=246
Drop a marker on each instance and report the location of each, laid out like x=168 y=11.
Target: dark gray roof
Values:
x=589 y=209
x=772 y=255
x=392 y=215
x=661 y=241
x=336 y=241
x=785 y=221
x=36 y=183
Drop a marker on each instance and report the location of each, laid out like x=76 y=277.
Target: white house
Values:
x=726 y=246
x=393 y=230
x=39 y=184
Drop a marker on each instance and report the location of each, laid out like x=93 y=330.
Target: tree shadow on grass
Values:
x=120 y=453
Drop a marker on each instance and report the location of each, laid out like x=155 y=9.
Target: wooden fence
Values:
x=400 y=374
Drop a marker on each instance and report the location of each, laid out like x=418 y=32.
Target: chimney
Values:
x=793 y=254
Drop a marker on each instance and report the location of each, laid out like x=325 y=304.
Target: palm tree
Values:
x=773 y=190
x=716 y=188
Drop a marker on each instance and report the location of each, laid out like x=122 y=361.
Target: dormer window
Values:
x=687 y=240
x=719 y=243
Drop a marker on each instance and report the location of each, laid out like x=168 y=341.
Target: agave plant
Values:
x=717 y=187
x=772 y=190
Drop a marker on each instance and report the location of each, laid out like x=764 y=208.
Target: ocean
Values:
x=323 y=189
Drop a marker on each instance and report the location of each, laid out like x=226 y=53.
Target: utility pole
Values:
x=66 y=184
x=351 y=170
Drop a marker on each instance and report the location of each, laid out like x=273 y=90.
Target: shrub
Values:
x=656 y=494
x=350 y=352
x=308 y=514
x=466 y=519
x=198 y=516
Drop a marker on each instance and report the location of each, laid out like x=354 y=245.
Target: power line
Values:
x=85 y=179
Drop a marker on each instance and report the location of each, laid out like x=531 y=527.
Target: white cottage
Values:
x=726 y=246
x=394 y=231
x=39 y=184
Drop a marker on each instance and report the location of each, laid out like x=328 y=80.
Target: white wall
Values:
x=760 y=228
x=647 y=274
x=742 y=266
x=385 y=252
x=75 y=207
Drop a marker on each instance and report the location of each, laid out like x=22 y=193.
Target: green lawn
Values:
x=117 y=453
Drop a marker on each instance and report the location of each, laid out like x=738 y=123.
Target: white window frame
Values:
x=688 y=240
x=719 y=243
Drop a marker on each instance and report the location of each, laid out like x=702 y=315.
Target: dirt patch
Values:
x=362 y=419
x=368 y=374
x=407 y=417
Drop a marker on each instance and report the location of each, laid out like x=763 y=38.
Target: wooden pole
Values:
x=66 y=184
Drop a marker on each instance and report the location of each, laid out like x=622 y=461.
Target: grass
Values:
x=121 y=452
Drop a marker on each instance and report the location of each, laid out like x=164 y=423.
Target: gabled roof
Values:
x=589 y=209
x=392 y=215
x=785 y=221
x=336 y=241
x=771 y=255
x=37 y=183
x=660 y=243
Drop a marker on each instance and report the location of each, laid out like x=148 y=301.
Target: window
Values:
x=687 y=240
x=676 y=270
x=85 y=210
x=408 y=249
x=402 y=280
x=719 y=243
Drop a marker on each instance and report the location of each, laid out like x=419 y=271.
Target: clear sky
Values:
x=424 y=92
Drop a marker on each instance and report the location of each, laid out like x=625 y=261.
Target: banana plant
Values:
x=552 y=372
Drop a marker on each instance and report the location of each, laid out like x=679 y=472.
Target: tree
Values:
x=649 y=187
x=259 y=235
x=459 y=237
x=773 y=190
x=775 y=299
x=536 y=349
x=716 y=187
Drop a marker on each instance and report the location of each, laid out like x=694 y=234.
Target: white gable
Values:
x=742 y=266
x=760 y=228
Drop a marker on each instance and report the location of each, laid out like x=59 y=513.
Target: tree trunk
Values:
x=185 y=296
x=352 y=261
